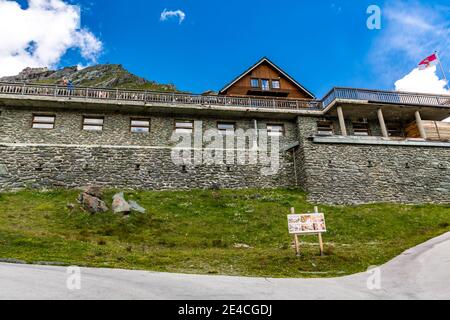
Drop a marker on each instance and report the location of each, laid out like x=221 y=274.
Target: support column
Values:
x=419 y=123
x=342 y=121
x=384 y=130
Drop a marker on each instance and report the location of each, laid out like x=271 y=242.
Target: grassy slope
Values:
x=109 y=72
x=150 y=86
x=194 y=232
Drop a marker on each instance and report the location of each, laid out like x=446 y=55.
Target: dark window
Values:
x=43 y=122
x=255 y=83
x=93 y=123
x=140 y=125
x=395 y=130
x=276 y=84
x=184 y=126
x=361 y=129
x=325 y=128
x=275 y=130
x=226 y=128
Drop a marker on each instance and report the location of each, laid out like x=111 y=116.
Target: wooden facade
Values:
x=434 y=130
x=265 y=79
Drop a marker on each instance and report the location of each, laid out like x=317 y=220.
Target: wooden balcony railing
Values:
x=121 y=95
x=387 y=97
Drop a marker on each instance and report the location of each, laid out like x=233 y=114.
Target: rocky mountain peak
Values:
x=98 y=76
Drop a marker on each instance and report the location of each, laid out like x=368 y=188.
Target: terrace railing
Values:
x=388 y=97
x=123 y=95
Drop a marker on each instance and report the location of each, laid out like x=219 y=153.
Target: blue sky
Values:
x=320 y=43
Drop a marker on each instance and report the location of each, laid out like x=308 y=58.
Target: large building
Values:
x=352 y=146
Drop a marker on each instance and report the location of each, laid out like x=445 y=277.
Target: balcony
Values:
x=385 y=97
x=149 y=97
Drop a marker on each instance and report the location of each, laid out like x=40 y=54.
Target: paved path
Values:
x=419 y=273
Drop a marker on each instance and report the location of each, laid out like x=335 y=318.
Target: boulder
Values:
x=135 y=207
x=120 y=205
x=94 y=191
x=92 y=204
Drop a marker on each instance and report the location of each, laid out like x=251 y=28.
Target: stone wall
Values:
x=15 y=127
x=25 y=166
x=67 y=156
x=351 y=174
x=336 y=173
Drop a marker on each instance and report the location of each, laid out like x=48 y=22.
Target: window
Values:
x=325 y=128
x=226 y=128
x=275 y=84
x=255 y=83
x=395 y=130
x=140 y=125
x=184 y=126
x=265 y=84
x=93 y=123
x=361 y=129
x=275 y=130
x=43 y=122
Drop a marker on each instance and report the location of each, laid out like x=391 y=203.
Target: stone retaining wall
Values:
x=44 y=166
x=336 y=173
x=352 y=174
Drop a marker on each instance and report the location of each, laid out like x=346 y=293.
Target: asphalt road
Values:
x=419 y=273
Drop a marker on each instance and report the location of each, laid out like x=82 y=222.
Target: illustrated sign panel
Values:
x=307 y=223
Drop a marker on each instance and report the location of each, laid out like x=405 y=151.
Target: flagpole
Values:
x=442 y=69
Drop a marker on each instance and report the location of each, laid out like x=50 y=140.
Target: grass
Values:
x=106 y=73
x=150 y=86
x=196 y=232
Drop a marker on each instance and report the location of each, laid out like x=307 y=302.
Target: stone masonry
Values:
x=118 y=167
x=69 y=157
x=352 y=174
x=335 y=173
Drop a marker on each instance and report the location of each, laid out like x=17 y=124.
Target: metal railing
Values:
x=388 y=97
x=121 y=95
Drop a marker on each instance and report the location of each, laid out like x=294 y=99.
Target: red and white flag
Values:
x=428 y=62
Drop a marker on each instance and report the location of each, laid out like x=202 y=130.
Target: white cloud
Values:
x=165 y=15
x=411 y=32
x=425 y=81
x=41 y=34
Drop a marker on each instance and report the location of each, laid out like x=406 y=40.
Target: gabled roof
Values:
x=266 y=60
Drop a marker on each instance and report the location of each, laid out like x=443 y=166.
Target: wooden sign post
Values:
x=307 y=224
x=316 y=211
x=297 y=243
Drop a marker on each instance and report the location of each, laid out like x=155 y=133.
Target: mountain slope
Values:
x=99 y=76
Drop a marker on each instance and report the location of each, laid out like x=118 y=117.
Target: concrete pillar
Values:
x=419 y=123
x=342 y=121
x=384 y=130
